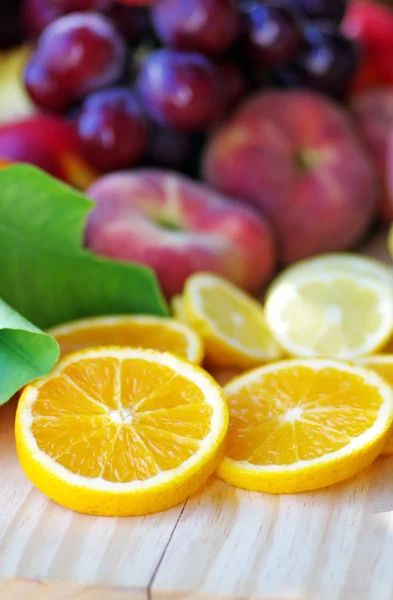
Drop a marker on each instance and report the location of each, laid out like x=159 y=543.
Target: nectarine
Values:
x=179 y=227
x=296 y=157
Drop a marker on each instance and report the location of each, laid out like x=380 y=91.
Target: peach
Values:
x=373 y=111
x=178 y=227
x=295 y=156
x=50 y=143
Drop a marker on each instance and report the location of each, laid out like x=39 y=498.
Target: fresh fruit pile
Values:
x=257 y=98
x=115 y=430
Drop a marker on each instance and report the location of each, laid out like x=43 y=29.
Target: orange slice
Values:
x=155 y=333
x=383 y=365
x=300 y=425
x=120 y=431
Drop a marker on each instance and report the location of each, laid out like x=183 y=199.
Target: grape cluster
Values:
x=146 y=83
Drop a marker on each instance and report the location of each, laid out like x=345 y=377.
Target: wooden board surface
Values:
x=223 y=543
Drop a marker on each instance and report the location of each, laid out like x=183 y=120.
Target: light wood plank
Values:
x=52 y=590
x=335 y=543
x=41 y=540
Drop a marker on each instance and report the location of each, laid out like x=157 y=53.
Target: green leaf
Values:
x=45 y=273
x=26 y=353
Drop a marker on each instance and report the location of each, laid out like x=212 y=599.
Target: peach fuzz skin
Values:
x=178 y=227
x=296 y=157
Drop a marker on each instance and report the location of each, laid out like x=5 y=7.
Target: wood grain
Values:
x=40 y=540
x=332 y=544
x=224 y=544
x=48 y=590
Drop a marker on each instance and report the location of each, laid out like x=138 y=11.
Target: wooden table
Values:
x=223 y=543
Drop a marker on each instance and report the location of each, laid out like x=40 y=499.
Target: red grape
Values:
x=38 y=14
x=331 y=10
x=77 y=54
x=181 y=90
x=206 y=26
x=329 y=60
x=112 y=129
x=272 y=32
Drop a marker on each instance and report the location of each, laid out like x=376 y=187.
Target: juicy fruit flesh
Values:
x=233 y=318
x=297 y=414
x=119 y=420
x=328 y=314
x=138 y=335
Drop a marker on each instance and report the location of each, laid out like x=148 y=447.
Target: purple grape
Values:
x=181 y=90
x=272 y=33
x=77 y=54
x=38 y=14
x=329 y=60
x=206 y=26
x=112 y=128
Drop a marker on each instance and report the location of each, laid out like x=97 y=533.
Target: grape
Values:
x=329 y=60
x=112 y=128
x=77 y=54
x=181 y=90
x=332 y=10
x=206 y=26
x=38 y=14
x=272 y=33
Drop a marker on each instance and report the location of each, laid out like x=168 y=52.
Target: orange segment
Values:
x=150 y=424
x=299 y=425
x=155 y=333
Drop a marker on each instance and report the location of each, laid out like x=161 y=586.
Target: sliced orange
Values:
x=141 y=331
x=383 y=365
x=121 y=431
x=300 y=425
x=230 y=322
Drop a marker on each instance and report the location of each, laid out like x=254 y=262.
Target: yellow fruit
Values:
x=355 y=264
x=315 y=312
x=231 y=323
x=383 y=365
x=121 y=431
x=300 y=425
x=154 y=333
x=178 y=311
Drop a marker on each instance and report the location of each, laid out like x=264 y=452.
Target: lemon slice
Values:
x=231 y=324
x=383 y=365
x=355 y=264
x=120 y=431
x=300 y=425
x=141 y=331
x=178 y=311
x=330 y=313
